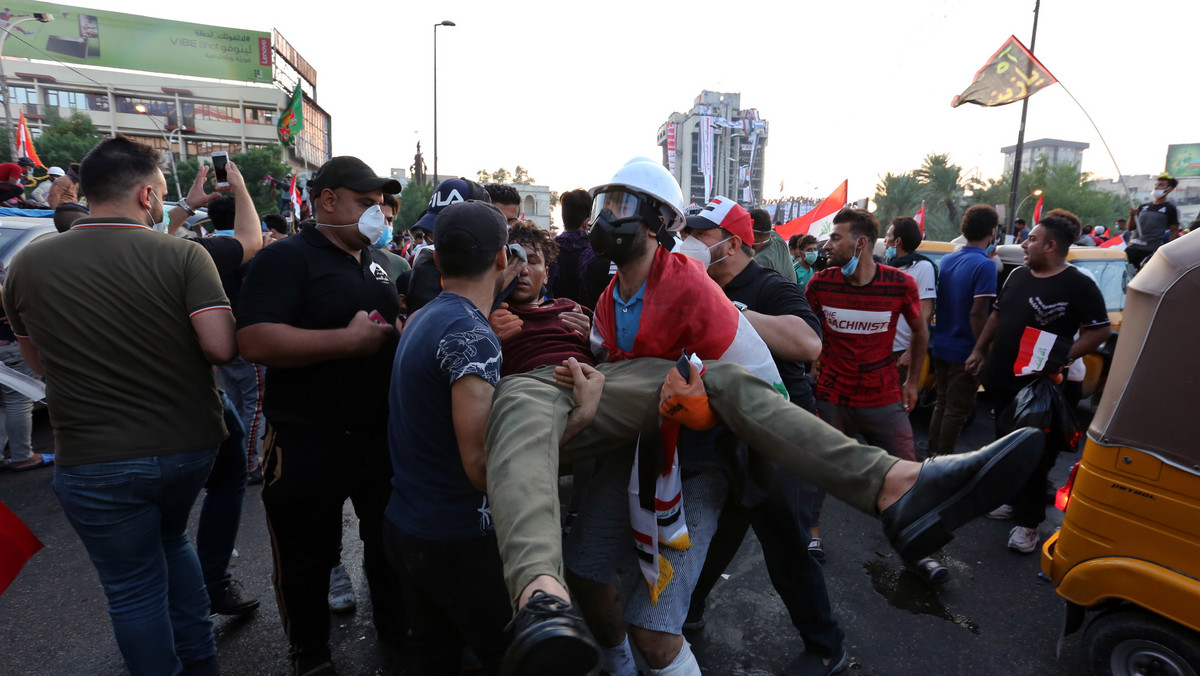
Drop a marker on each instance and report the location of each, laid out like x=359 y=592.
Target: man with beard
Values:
x=320 y=314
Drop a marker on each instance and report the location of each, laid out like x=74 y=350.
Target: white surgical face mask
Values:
x=692 y=247
x=371 y=224
x=161 y=225
x=1158 y=194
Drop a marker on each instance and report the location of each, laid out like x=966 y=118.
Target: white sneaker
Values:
x=1022 y=539
x=341 y=592
x=1001 y=512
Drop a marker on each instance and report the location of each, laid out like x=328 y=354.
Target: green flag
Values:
x=292 y=120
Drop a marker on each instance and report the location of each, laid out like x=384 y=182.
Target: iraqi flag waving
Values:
x=819 y=221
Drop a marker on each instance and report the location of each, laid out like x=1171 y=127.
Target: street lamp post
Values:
x=1035 y=193
x=435 y=152
x=7 y=27
x=174 y=174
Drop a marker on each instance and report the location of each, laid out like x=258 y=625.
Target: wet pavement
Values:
x=995 y=616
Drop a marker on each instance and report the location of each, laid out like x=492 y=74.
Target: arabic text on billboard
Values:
x=97 y=38
x=1183 y=160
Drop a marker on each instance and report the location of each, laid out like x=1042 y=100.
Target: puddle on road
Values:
x=905 y=592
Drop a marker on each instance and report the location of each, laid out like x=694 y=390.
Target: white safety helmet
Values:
x=645 y=178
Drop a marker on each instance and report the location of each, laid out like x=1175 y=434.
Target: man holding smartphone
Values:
x=305 y=313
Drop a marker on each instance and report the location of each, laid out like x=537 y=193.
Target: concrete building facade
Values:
x=1054 y=151
x=181 y=116
x=716 y=148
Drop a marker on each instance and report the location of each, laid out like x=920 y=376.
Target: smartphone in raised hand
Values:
x=219 y=160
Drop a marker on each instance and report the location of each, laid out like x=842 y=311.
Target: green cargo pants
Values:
x=529 y=414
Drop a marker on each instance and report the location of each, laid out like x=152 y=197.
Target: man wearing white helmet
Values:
x=41 y=193
x=659 y=305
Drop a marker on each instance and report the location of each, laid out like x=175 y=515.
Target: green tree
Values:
x=483 y=176
x=66 y=139
x=5 y=148
x=944 y=188
x=1063 y=187
x=501 y=175
x=897 y=195
x=521 y=176
x=255 y=164
x=413 y=201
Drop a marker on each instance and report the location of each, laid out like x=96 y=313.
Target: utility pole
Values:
x=1016 y=177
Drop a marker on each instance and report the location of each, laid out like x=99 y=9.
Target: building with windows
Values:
x=716 y=148
x=182 y=116
x=1053 y=151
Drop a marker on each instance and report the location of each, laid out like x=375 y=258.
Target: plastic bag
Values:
x=1041 y=405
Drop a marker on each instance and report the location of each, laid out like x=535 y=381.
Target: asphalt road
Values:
x=996 y=616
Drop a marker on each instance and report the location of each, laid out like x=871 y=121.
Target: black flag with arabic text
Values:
x=1012 y=74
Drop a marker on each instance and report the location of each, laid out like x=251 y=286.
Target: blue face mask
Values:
x=851 y=265
x=810 y=257
x=889 y=253
x=385 y=238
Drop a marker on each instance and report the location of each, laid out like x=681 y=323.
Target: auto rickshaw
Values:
x=1128 y=553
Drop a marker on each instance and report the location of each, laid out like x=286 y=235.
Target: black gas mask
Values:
x=617 y=216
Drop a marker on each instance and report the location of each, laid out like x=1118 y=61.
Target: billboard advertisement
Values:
x=1183 y=160
x=94 y=37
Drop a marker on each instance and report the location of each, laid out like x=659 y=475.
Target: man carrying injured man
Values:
x=633 y=213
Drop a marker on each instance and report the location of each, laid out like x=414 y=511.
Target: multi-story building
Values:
x=716 y=148
x=1053 y=151
x=166 y=104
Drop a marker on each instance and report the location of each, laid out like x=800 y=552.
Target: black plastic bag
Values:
x=1041 y=405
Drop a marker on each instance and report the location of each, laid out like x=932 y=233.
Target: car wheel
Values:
x=1135 y=643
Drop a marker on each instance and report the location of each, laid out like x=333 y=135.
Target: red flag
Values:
x=295 y=197
x=1117 y=242
x=1012 y=74
x=818 y=221
x=1037 y=211
x=25 y=142
x=920 y=219
x=17 y=545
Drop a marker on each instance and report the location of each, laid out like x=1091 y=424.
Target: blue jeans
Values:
x=221 y=509
x=243 y=382
x=17 y=430
x=132 y=518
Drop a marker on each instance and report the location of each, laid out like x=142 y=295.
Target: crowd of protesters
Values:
x=696 y=373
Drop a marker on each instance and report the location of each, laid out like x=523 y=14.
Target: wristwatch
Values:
x=742 y=307
x=182 y=203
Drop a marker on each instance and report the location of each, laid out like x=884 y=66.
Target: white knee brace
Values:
x=684 y=664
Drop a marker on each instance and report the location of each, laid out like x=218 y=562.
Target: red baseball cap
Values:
x=726 y=214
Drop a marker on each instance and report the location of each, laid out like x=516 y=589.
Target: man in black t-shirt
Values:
x=1033 y=322
x=320 y=315
x=1155 y=223
x=779 y=312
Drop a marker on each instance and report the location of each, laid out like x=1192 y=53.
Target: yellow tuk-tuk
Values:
x=1128 y=552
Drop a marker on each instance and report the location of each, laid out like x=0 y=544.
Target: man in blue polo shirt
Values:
x=966 y=287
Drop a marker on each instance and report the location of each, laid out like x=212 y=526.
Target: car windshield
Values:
x=1112 y=276
x=9 y=238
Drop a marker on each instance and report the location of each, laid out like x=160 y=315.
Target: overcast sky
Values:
x=852 y=89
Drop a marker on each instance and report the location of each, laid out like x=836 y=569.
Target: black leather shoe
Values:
x=953 y=489
x=232 y=600
x=549 y=639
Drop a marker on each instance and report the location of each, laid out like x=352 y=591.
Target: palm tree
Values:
x=943 y=183
x=897 y=195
